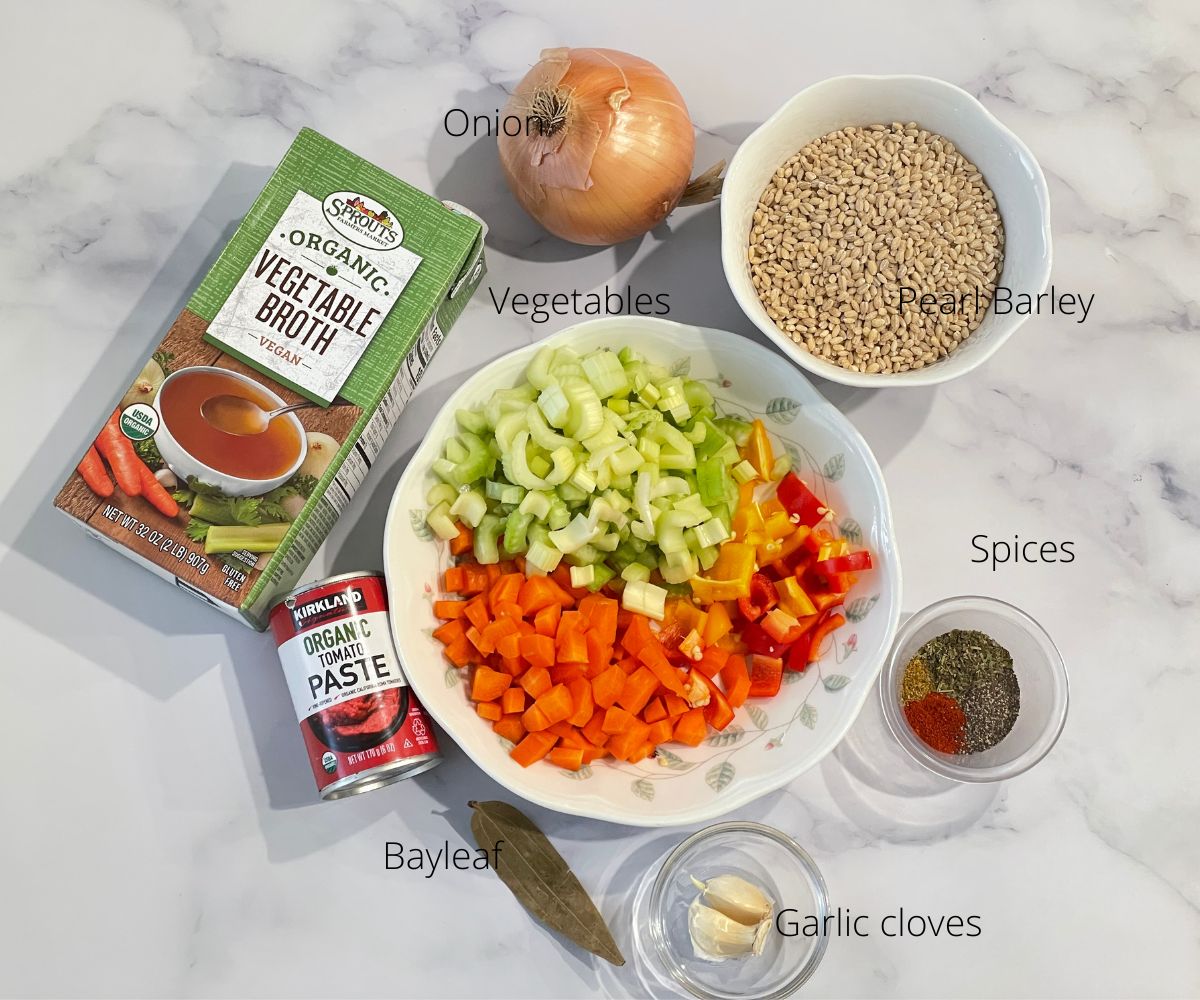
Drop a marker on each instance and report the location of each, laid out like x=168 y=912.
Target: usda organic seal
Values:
x=139 y=421
x=329 y=762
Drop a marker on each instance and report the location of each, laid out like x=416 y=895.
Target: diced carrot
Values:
x=563 y=673
x=477 y=613
x=532 y=748
x=639 y=689
x=538 y=650
x=463 y=541
x=449 y=610
x=513 y=700
x=488 y=684
x=510 y=728
x=509 y=646
x=653 y=656
x=629 y=664
x=514 y=666
x=475 y=579
x=636 y=635
x=691 y=728
x=654 y=712
x=571 y=645
x=662 y=731
x=536 y=681
x=546 y=620
x=534 y=719
x=572 y=621
x=452 y=631
x=592 y=753
x=593 y=731
x=506 y=590
x=489 y=710
x=617 y=720
x=567 y=758
x=480 y=641
x=508 y=609
x=538 y=592
x=568 y=735
x=736 y=679
x=641 y=753
x=556 y=704
x=601 y=613
x=599 y=653
x=607 y=687
x=675 y=705
x=625 y=744
x=453 y=580
x=460 y=652
x=493 y=573
x=500 y=627
x=581 y=699
x=718 y=625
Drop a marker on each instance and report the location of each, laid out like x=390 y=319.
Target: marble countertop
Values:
x=160 y=835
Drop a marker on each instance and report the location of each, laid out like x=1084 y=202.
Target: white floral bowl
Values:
x=771 y=741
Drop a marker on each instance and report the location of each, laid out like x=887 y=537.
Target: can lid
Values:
x=289 y=599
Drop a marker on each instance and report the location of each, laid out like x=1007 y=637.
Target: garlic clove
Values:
x=714 y=936
x=738 y=899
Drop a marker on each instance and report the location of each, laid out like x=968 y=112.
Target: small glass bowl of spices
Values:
x=975 y=690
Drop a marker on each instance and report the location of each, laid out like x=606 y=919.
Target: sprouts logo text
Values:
x=362 y=220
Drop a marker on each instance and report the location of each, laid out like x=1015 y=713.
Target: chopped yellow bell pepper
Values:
x=759 y=452
x=729 y=577
x=793 y=599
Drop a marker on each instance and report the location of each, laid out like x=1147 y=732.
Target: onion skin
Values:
x=624 y=155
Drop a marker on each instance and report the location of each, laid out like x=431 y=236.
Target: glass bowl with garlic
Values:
x=726 y=912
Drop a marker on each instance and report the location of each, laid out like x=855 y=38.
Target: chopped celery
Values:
x=603 y=369
x=744 y=472
x=560 y=514
x=782 y=466
x=644 y=598
x=636 y=571
x=486 y=536
x=601 y=574
x=581 y=576
x=711 y=481
x=516 y=526
x=441 y=522
x=583 y=480
x=711 y=533
x=441 y=493
x=573 y=536
x=470 y=506
x=470 y=420
x=543 y=557
x=535 y=503
x=739 y=430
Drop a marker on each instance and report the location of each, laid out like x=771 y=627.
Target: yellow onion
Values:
x=606 y=146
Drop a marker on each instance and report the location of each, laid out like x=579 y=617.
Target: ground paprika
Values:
x=939 y=721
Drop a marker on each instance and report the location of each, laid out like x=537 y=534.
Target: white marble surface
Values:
x=159 y=834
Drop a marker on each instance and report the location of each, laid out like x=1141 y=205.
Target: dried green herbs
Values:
x=540 y=879
x=976 y=672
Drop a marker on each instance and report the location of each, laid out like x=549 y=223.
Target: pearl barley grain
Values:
x=855 y=216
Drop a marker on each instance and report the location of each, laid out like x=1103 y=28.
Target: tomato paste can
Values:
x=361 y=724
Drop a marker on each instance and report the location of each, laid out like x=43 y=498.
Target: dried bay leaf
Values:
x=540 y=879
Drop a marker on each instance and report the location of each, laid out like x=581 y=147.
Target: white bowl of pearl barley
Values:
x=885 y=230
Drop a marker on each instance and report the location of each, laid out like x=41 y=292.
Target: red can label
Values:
x=355 y=709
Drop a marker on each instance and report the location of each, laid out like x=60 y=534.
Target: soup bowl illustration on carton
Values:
x=239 y=465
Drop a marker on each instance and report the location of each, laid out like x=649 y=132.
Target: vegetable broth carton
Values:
x=328 y=303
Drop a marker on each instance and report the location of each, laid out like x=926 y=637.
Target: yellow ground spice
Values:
x=917 y=681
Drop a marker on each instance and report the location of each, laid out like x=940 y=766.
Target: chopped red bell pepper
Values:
x=855 y=562
x=766 y=676
x=804 y=506
x=762 y=599
x=718 y=711
x=797 y=657
x=758 y=640
x=828 y=626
